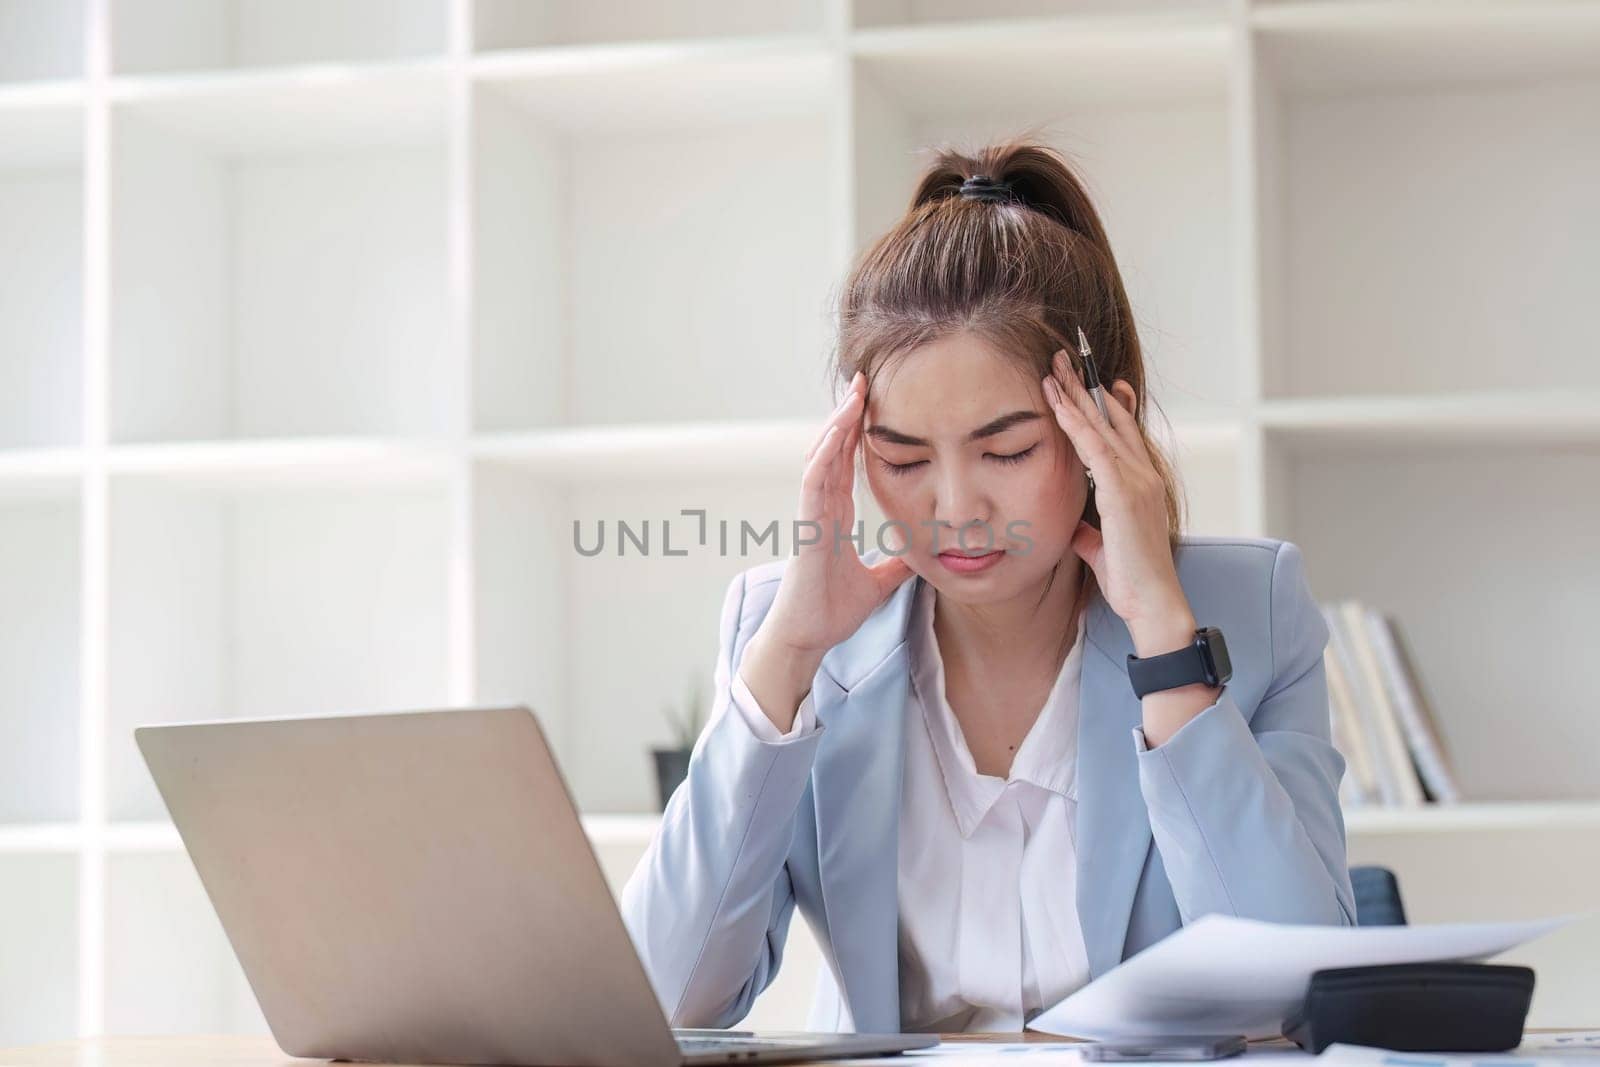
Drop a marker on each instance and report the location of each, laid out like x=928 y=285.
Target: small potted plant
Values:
x=672 y=764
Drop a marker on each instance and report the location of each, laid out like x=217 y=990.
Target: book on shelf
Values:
x=1380 y=718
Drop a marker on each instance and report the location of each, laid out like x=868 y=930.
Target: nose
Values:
x=962 y=512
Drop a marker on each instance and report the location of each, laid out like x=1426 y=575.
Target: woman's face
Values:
x=961 y=448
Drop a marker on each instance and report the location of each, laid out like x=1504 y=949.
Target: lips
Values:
x=957 y=562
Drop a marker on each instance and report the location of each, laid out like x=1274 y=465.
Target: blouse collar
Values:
x=1047 y=756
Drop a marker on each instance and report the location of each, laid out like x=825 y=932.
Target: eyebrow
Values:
x=988 y=429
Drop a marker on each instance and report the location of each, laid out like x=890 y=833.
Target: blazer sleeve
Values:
x=1246 y=812
x=745 y=702
x=709 y=904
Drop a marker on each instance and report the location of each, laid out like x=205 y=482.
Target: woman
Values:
x=938 y=749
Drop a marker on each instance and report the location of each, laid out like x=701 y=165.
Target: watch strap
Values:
x=1184 y=666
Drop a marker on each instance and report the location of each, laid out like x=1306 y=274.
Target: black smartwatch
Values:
x=1205 y=660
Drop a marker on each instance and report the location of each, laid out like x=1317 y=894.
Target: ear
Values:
x=1124 y=392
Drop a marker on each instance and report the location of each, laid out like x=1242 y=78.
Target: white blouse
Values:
x=987 y=886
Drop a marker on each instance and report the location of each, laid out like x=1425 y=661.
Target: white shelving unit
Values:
x=322 y=320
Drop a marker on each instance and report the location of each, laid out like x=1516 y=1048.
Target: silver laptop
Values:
x=416 y=887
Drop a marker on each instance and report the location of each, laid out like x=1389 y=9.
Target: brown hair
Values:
x=1022 y=274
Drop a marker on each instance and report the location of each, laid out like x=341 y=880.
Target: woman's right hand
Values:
x=826 y=592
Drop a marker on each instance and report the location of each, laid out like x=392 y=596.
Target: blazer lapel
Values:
x=856 y=779
x=1113 y=823
x=856 y=788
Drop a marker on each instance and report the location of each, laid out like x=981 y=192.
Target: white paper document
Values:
x=1222 y=974
x=1524 y=1055
x=1536 y=1050
x=1588 y=1040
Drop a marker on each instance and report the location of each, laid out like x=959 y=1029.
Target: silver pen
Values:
x=1091 y=377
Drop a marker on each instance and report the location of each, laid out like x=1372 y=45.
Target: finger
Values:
x=853 y=450
x=851 y=442
x=1091 y=444
x=1089 y=544
x=1117 y=424
x=841 y=471
x=1078 y=394
x=887 y=574
x=812 y=481
x=1088 y=443
x=837 y=416
x=822 y=432
x=1123 y=422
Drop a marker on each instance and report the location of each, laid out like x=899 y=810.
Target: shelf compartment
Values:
x=169 y=967
x=633 y=830
x=1138 y=106
x=577 y=272
x=1208 y=461
x=1404 y=249
x=665 y=87
x=1453 y=539
x=162 y=836
x=507 y=24
x=596 y=644
x=39 y=472
x=1554 y=418
x=270 y=601
x=252 y=114
x=175 y=35
x=41 y=127
x=41 y=269
x=522 y=558
x=40 y=837
x=1444 y=878
x=1511 y=818
x=774 y=447
x=1338 y=46
x=1058 y=66
x=39 y=928
x=39 y=657
x=286 y=461
x=41 y=40
x=885 y=13
x=299 y=225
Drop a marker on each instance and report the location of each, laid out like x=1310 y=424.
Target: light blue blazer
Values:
x=1238 y=812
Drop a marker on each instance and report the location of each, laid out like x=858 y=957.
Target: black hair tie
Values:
x=983 y=187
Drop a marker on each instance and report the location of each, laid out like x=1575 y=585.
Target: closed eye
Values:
x=900 y=468
x=1015 y=457
x=1008 y=460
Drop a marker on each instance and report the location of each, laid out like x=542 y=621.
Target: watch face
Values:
x=1215 y=651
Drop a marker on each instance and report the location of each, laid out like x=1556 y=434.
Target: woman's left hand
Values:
x=1130 y=554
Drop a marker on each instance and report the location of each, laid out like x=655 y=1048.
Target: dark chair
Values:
x=1377 y=897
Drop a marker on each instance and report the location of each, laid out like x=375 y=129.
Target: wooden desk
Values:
x=234 y=1051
